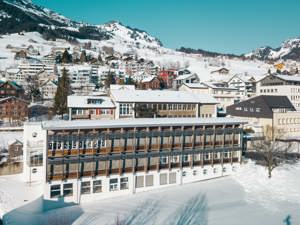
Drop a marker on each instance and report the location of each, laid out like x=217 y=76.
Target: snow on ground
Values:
x=247 y=198
x=284 y=185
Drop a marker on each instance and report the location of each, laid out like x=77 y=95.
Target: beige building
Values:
x=281 y=85
x=273 y=111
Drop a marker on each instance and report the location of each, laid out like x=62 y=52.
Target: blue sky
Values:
x=230 y=26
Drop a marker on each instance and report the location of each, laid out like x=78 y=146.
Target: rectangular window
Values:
x=124 y=183
x=86 y=187
x=139 y=182
x=55 y=191
x=172 y=178
x=163 y=160
x=97 y=186
x=149 y=180
x=163 y=179
x=113 y=184
x=68 y=190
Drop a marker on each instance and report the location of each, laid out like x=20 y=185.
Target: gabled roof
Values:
x=12 y=97
x=148 y=79
x=276 y=102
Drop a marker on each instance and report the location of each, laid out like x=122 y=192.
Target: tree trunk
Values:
x=269 y=172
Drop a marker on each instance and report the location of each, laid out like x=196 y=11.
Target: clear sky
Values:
x=229 y=26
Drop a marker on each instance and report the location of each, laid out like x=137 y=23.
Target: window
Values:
x=124 y=183
x=185 y=158
x=194 y=172
x=113 y=184
x=55 y=191
x=224 y=169
x=68 y=190
x=172 y=178
x=163 y=160
x=139 y=181
x=97 y=186
x=215 y=170
x=126 y=109
x=85 y=187
x=174 y=159
x=149 y=180
x=163 y=179
x=205 y=171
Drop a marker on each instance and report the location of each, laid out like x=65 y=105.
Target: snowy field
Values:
x=247 y=198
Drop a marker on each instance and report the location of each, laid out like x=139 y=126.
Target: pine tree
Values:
x=83 y=57
x=62 y=92
x=66 y=57
x=109 y=80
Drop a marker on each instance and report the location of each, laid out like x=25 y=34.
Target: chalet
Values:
x=13 y=110
x=151 y=82
x=10 y=88
x=15 y=150
x=246 y=84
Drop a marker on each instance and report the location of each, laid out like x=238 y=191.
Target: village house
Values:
x=90 y=107
x=15 y=150
x=48 y=90
x=186 y=79
x=276 y=112
x=10 y=88
x=13 y=110
x=246 y=84
x=150 y=82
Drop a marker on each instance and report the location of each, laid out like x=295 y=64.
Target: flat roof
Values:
x=160 y=96
x=143 y=122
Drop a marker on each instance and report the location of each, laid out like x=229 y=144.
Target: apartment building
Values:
x=156 y=103
x=281 y=85
x=81 y=161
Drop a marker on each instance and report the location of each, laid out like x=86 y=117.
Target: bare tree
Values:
x=273 y=151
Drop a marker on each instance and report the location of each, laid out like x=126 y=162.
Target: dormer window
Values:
x=95 y=101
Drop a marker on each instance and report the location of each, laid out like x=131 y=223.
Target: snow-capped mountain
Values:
x=289 y=49
x=18 y=16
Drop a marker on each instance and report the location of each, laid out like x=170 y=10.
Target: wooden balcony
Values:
x=152 y=167
x=207 y=162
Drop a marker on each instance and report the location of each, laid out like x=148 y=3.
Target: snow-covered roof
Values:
x=186 y=76
x=148 y=79
x=160 y=96
x=121 y=87
x=75 y=101
x=86 y=124
x=288 y=78
x=195 y=85
x=213 y=86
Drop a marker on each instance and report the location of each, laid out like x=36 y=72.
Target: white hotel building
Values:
x=85 y=160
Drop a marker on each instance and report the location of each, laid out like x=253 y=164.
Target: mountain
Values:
x=289 y=49
x=17 y=16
